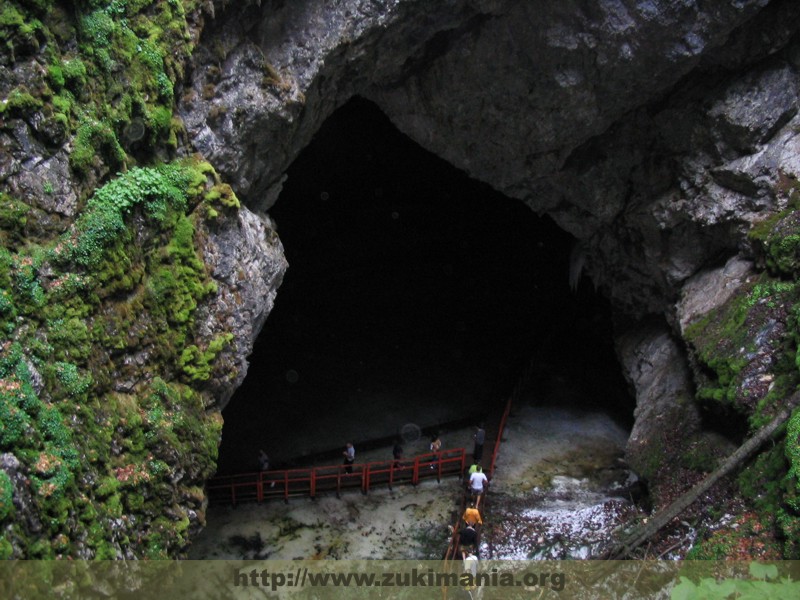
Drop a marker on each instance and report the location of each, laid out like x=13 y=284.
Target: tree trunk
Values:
x=733 y=462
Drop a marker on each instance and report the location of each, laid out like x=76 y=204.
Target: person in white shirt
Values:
x=471 y=567
x=478 y=482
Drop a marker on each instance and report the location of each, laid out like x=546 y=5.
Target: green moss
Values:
x=20 y=102
x=197 y=363
x=19 y=27
x=19 y=404
x=770 y=485
x=130 y=56
x=724 y=340
x=10 y=17
x=223 y=195
x=761 y=482
x=155 y=189
x=62 y=104
x=6 y=549
x=6 y=496
x=105 y=551
x=73 y=381
x=70 y=339
x=13 y=218
x=97 y=28
x=96 y=140
x=776 y=240
x=125 y=281
x=55 y=76
x=74 y=73
x=793 y=456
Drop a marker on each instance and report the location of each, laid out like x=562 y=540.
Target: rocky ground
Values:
x=560 y=488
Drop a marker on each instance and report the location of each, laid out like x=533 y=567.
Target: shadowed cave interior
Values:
x=414 y=294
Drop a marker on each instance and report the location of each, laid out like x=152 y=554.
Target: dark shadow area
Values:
x=414 y=295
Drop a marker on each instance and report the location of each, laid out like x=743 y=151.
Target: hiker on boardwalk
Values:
x=397 y=452
x=467 y=537
x=472 y=516
x=349 y=457
x=436 y=445
x=470 y=574
x=478 y=483
x=480 y=438
x=263 y=461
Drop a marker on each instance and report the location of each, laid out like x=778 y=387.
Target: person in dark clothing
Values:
x=397 y=452
x=480 y=438
x=468 y=536
x=263 y=461
x=349 y=457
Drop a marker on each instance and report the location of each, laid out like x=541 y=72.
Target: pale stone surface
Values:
x=711 y=289
x=246 y=260
x=572 y=107
x=665 y=415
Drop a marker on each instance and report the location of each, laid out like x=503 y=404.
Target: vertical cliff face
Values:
x=132 y=284
x=144 y=143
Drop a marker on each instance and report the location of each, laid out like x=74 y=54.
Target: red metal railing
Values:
x=500 y=429
x=268 y=485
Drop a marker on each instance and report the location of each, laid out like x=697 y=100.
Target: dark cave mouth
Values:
x=414 y=294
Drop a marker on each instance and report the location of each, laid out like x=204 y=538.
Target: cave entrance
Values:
x=414 y=294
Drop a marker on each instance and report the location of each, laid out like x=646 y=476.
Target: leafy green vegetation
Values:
x=765 y=583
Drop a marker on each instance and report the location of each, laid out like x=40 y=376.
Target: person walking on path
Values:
x=472 y=516
x=263 y=465
x=436 y=446
x=263 y=461
x=470 y=573
x=480 y=438
x=349 y=457
x=397 y=452
x=468 y=537
x=478 y=483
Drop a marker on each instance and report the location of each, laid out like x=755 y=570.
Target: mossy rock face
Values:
x=102 y=412
x=736 y=346
x=746 y=358
x=99 y=74
x=776 y=243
